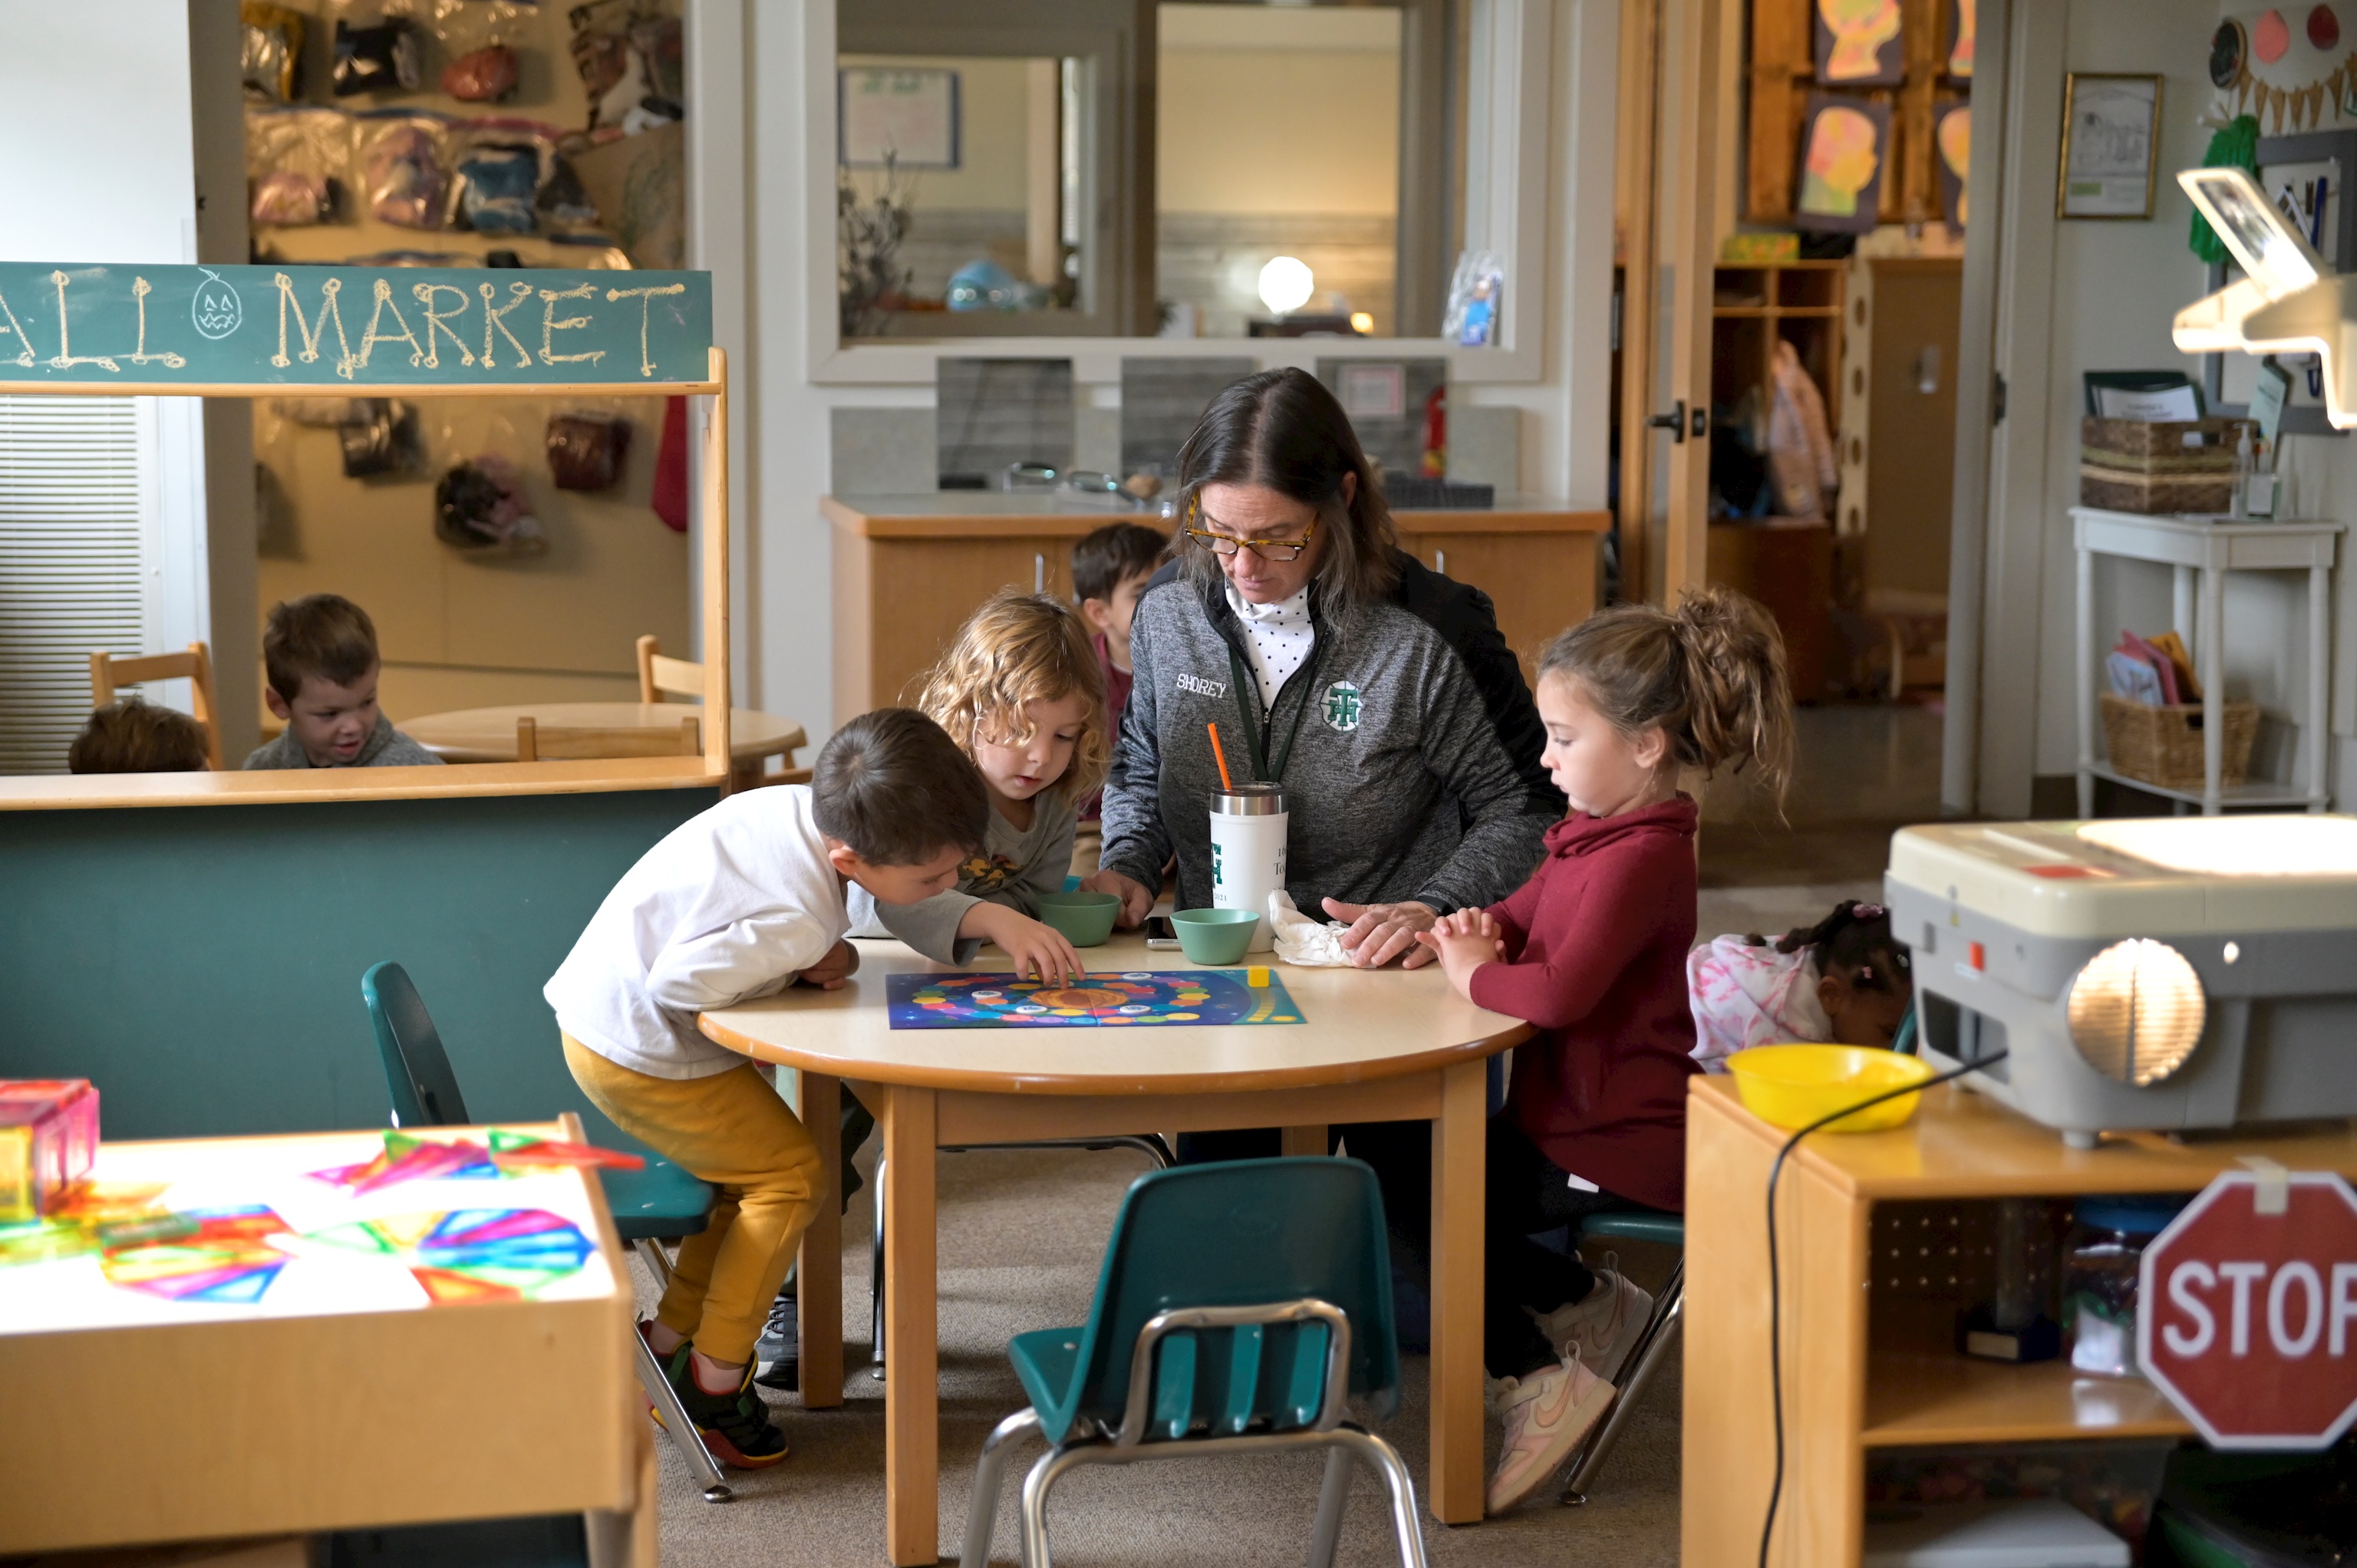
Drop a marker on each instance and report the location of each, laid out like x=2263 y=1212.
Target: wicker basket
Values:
x=2163 y=745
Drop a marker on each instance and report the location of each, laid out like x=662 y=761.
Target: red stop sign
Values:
x=2248 y=1320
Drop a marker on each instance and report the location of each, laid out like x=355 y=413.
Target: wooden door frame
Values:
x=1691 y=191
x=1685 y=240
x=1634 y=190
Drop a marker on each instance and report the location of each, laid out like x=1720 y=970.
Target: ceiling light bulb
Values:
x=1286 y=284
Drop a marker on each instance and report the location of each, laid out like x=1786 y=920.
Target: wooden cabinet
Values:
x=909 y=569
x=1541 y=579
x=1786 y=564
x=1867 y=1333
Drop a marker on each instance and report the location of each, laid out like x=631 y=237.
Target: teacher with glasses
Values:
x=1377 y=692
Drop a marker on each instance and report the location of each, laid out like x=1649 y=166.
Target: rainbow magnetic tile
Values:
x=229 y=1259
x=1135 y=998
x=49 y=1140
x=472 y=1254
x=409 y=1158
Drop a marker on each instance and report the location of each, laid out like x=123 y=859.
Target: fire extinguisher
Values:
x=1436 y=433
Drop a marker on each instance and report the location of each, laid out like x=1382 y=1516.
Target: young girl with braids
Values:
x=1592 y=949
x=1846 y=980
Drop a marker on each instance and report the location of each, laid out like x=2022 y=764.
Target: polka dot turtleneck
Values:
x=1277 y=638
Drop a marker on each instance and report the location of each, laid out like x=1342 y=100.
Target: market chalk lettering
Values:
x=62 y=324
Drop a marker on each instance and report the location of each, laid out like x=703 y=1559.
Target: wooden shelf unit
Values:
x=1752 y=307
x=1866 y=1364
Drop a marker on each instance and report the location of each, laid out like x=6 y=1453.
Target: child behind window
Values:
x=319 y=652
x=1846 y=980
x=131 y=737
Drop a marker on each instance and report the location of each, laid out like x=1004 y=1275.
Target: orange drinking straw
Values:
x=1221 y=758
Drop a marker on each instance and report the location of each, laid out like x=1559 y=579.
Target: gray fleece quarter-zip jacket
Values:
x=1400 y=782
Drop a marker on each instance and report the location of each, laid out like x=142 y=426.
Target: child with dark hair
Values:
x=320 y=657
x=743 y=901
x=1110 y=569
x=133 y=736
x=1846 y=980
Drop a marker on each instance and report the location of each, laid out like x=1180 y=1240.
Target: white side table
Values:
x=2210 y=548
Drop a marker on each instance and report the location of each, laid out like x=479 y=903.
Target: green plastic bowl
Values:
x=1084 y=918
x=1214 y=937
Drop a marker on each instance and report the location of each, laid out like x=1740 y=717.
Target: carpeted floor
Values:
x=1021 y=1235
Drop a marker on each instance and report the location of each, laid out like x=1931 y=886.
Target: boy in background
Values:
x=319 y=652
x=739 y=902
x=133 y=736
x=1110 y=569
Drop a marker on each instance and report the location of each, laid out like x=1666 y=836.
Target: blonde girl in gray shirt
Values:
x=1022 y=692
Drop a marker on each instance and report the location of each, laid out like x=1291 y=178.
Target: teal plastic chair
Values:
x=1239 y=1307
x=657 y=1204
x=1651 y=1350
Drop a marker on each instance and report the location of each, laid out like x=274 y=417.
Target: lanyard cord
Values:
x=1247 y=692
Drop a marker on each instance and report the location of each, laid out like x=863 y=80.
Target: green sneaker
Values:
x=735 y=1426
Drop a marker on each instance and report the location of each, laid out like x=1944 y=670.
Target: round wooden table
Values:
x=1375 y=1045
x=489 y=734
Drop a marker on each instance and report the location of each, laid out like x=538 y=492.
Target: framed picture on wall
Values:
x=906 y=114
x=2111 y=145
x=1845 y=142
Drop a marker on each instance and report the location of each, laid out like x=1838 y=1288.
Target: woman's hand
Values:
x=841 y=962
x=1036 y=948
x=1381 y=932
x=1136 y=898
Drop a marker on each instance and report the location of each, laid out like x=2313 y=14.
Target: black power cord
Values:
x=1775 y=1278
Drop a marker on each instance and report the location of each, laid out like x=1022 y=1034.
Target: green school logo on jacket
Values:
x=1342 y=707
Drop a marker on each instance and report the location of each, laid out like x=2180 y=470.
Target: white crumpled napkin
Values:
x=1312 y=944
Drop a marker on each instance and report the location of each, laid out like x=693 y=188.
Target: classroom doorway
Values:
x=1789 y=381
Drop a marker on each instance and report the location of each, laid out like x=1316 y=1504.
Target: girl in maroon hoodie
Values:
x=1592 y=949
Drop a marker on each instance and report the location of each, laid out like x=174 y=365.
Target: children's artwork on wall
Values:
x=1952 y=132
x=1842 y=155
x=1858 y=43
x=1960 y=39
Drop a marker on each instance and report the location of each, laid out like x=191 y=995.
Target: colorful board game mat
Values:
x=956 y=1001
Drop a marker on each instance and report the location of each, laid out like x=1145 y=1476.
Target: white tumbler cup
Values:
x=1248 y=852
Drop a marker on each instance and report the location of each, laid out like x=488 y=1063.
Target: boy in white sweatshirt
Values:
x=743 y=901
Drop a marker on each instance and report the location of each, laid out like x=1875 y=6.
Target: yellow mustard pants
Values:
x=732 y=1130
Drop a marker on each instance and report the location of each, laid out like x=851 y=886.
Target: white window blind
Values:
x=76 y=478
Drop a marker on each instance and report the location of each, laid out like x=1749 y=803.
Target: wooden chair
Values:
x=556 y=743
x=659 y=674
x=110 y=671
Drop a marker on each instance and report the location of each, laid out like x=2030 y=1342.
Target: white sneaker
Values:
x=1548 y=1415
x=1604 y=1325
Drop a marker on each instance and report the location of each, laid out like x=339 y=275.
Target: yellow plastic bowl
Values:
x=1792 y=1085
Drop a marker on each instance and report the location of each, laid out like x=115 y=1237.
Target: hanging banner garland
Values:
x=2291 y=77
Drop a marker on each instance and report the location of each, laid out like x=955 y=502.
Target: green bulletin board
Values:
x=74 y=327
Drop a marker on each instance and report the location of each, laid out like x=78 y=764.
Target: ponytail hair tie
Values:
x=1868 y=912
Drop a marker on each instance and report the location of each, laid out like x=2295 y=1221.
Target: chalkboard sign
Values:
x=350 y=326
